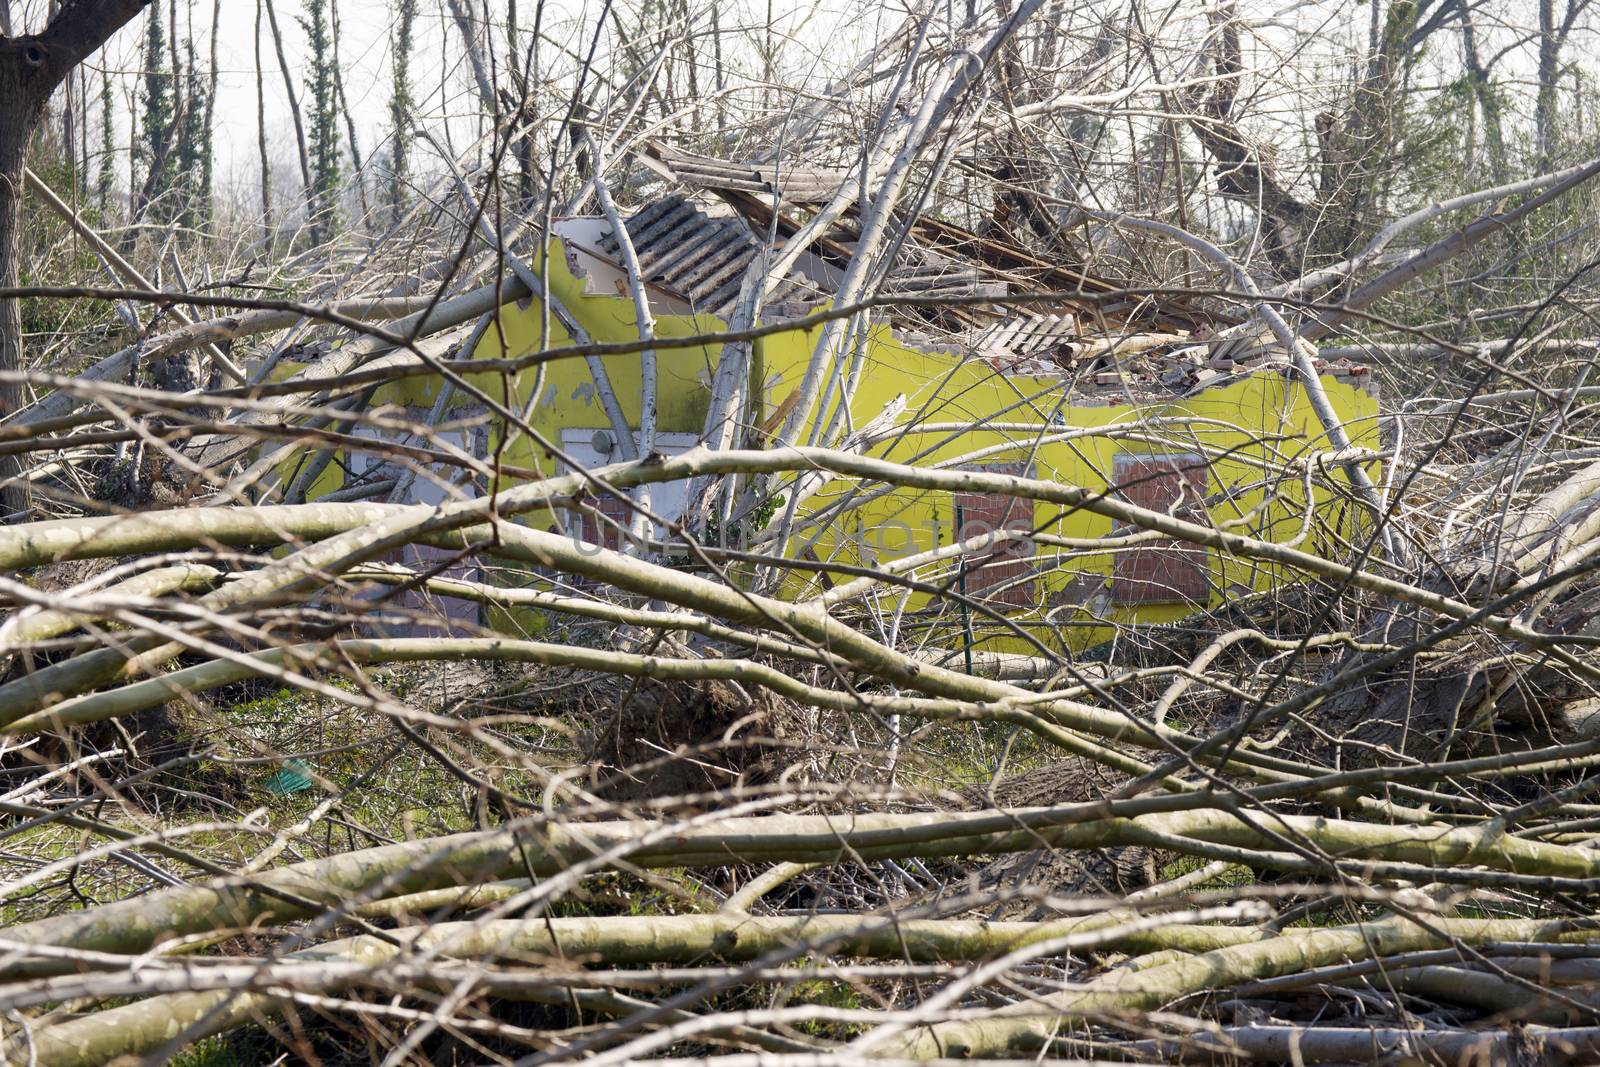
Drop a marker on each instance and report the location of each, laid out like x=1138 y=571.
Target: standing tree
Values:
x=323 y=196
x=1554 y=31
x=261 y=136
x=357 y=168
x=106 y=182
x=193 y=151
x=400 y=107
x=288 y=88
x=154 y=150
x=1359 y=150
x=32 y=65
x=207 y=120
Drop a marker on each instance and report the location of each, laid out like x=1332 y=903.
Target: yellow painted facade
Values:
x=1251 y=429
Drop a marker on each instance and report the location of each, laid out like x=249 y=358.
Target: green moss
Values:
x=239 y=1048
x=831 y=995
x=1233 y=876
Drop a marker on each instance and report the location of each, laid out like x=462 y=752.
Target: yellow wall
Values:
x=1261 y=417
x=1072 y=595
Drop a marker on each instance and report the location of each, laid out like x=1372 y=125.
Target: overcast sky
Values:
x=366 y=30
x=441 y=80
x=826 y=36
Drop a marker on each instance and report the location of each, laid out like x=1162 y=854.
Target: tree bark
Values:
x=294 y=100
x=1544 y=108
x=133 y=925
x=31 y=66
x=20 y=80
x=218 y=1006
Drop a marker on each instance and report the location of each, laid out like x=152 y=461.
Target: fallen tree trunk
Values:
x=217 y=999
x=354 y=533
x=1030 y=1026
x=136 y=925
x=218 y=331
x=1486 y=691
x=1535 y=1046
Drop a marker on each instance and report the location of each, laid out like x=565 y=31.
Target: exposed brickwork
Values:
x=998 y=567
x=606 y=534
x=1162 y=571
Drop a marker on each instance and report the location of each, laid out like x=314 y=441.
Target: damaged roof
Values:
x=699 y=245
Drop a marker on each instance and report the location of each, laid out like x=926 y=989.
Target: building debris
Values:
x=696 y=240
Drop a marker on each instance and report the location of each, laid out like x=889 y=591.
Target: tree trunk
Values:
x=17 y=118
x=1544 y=105
x=294 y=100
x=31 y=66
x=261 y=141
x=358 y=167
x=1483 y=92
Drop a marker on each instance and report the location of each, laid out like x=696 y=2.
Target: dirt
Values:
x=678 y=740
x=1104 y=871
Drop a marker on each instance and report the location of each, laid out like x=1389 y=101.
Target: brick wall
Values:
x=998 y=573
x=606 y=534
x=1165 y=570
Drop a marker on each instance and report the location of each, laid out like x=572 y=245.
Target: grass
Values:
x=1233 y=876
x=392 y=791
x=247 y=1047
x=241 y=737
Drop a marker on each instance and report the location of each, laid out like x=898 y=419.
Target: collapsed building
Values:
x=974 y=353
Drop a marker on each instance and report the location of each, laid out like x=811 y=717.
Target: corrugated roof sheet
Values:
x=1028 y=333
x=805 y=184
x=700 y=257
x=701 y=254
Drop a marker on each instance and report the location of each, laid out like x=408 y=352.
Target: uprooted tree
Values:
x=1048 y=532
